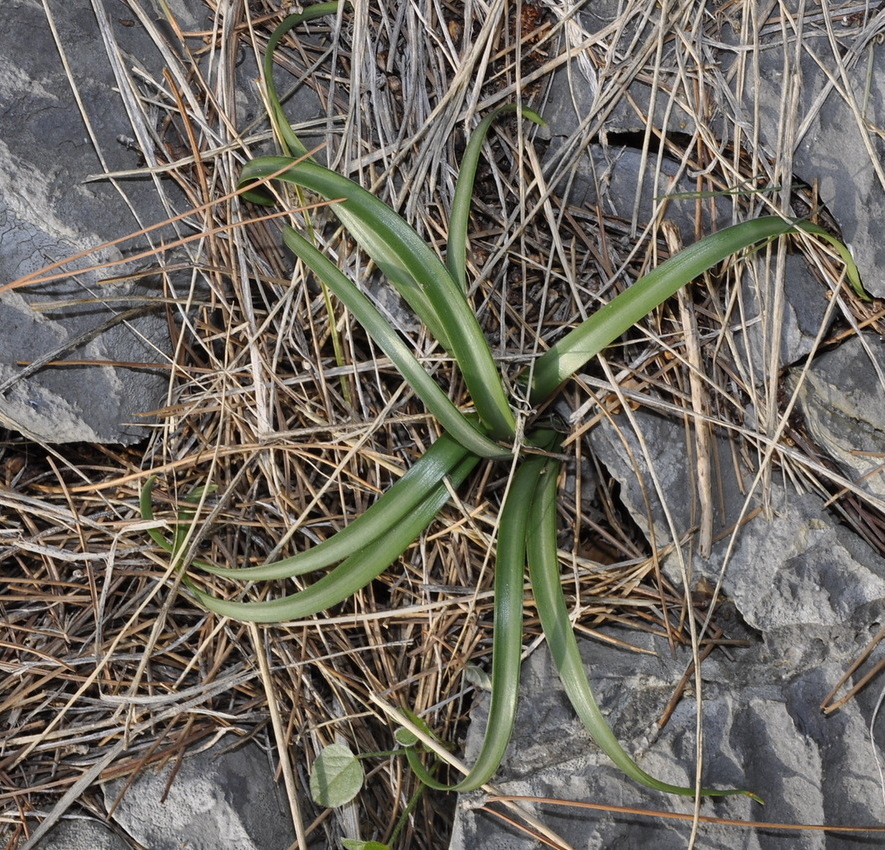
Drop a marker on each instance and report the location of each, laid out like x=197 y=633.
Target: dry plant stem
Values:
x=422 y=603
x=772 y=445
x=686 y=588
x=90 y=681
x=292 y=791
x=632 y=810
x=434 y=746
x=514 y=824
x=830 y=704
x=702 y=443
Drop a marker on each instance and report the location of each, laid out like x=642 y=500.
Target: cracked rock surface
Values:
x=48 y=212
x=224 y=798
x=801 y=586
x=810 y=596
x=110 y=324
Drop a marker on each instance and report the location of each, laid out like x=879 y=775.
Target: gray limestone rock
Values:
x=843 y=404
x=47 y=213
x=220 y=799
x=83 y=833
x=658 y=487
x=763 y=731
x=782 y=314
x=807 y=592
x=815 y=572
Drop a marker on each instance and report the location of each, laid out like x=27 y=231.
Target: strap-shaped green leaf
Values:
x=292 y=145
x=438 y=403
x=350 y=575
x=508 y=626
x=290 y=142
x=459 y=218
x=583 y=343
x=414 y=269
x=553 y=613
x=424 y=478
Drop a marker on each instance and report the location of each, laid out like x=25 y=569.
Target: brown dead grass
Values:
x=106 y=665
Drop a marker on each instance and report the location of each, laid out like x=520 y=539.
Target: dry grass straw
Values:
x=106 y=667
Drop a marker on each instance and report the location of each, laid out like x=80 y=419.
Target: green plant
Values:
x=437 y=292
x=337 y=776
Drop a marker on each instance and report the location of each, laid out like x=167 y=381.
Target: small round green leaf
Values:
x=406 y=737
x=357 y=844
x=337 y=776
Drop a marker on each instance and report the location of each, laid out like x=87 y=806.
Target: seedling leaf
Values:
x=337 y=776
x=405 y=737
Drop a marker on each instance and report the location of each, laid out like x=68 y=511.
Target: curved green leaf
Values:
x=610 y=321
x=553 y=613
x=350 y=575
x=290 y=143
x=146 y=508
x=414 y=269
x=424 y=478
x=507 y=630
x=379 y=242
x=185 y=518
x=851 y=270
x=437 y=402
x=456 y=251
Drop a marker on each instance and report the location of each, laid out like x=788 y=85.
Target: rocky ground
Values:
x=806 y=591
x=803 y=586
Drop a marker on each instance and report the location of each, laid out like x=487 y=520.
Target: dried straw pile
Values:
x=280 y=402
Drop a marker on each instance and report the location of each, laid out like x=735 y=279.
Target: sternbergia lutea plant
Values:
x=437 y=292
